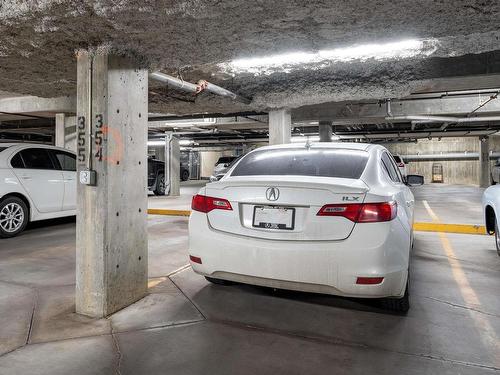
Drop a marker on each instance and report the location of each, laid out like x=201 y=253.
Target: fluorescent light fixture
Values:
x=186 y=142
x=304 y=139
x=190 y=123
x=156 y=143
x=289 y=61
x=311 y=138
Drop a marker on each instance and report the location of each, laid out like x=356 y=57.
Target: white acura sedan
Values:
x=491 y=209
x=333 y=218
x=37 y=182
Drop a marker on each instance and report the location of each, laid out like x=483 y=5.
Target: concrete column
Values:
x=484 y=162
x=325 y=131
x=70 y=133
x=173 y=165
x=280 y=126
x=60 y=129
x=111 y=236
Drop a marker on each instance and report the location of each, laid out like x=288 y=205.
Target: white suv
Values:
x=37 y=182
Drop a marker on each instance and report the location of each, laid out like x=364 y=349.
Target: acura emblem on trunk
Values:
x=272 y=194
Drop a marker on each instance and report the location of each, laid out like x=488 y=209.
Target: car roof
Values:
x=329 y=145
x=28 y=145
x=13 y=147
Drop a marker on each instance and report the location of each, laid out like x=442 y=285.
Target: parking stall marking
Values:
x=485 y=329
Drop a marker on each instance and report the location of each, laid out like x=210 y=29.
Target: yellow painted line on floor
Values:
x=155 y=281
x=161 y=211
x=485 y=330
x=449 y=228
x=422 y=227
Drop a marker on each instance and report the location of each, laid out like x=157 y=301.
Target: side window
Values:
x=37 y=158
x=17 y=161
x=390 y=167
x=396 y=168
x=66 y=160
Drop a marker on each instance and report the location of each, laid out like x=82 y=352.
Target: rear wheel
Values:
x=399 y=305
x=497 y=238
x=218 y=281
x=14 y=215
x=185 y=175
x=160 y=185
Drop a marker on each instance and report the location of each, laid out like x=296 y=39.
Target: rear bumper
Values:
x=330 y=267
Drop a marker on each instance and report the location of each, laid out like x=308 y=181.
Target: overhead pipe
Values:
x=448 y=156
x=196 y=89
x=456 y=120
x=444 y=94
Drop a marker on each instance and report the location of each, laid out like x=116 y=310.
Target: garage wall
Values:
x=455 y=172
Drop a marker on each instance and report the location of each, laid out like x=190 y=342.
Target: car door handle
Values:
x=26 y=177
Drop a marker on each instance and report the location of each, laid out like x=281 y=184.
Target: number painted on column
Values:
x=99 y=136
x=81 y=139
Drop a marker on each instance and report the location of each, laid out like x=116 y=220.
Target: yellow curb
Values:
x=450 y=228
x=159 y=211
x=420 y=227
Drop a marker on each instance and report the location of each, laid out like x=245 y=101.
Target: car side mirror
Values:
x=213 y=178
x=414 y=180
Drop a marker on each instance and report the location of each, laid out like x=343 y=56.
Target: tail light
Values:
x=194 y=259
x=369 y=280
x=361 y=212
x=206 y=204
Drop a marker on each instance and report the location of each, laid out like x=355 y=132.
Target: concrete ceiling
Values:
x=193 y=38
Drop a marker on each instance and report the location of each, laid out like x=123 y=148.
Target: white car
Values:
x=37 y=182
x=332 y=218
x=491 y=209
x=401 y=165
x=223 y=164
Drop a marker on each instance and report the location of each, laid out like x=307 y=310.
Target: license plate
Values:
x=270 y=217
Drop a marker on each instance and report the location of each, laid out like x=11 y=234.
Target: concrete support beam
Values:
x=65 y=135
x=280 y=126
x=111 y=238
x=325 y=131
x=35 y=104
x=173 y=165
x=60 y=129
x=373 y=113
x=484 y=162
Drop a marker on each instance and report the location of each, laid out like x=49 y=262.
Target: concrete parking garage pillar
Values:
x=280 y=126
x=484 y=162
x=60 y=133
x=173 y=165
x=325 y=131
x=111 y=238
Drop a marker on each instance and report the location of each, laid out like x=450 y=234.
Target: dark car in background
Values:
x=156 y=175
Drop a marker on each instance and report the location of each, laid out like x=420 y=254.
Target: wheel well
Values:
x=20 y=196
x=490 y=219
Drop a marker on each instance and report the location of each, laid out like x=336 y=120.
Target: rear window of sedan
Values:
x=342 y=163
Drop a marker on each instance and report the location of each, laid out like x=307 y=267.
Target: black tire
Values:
x=399 y=305
x=185 y=175
x=14 y=216
x=497 y=238
x=218 y=281
x=160 y=185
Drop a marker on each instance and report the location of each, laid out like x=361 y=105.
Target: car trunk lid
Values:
x=284 y=207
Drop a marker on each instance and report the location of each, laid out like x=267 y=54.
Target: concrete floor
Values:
x=188 y=326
